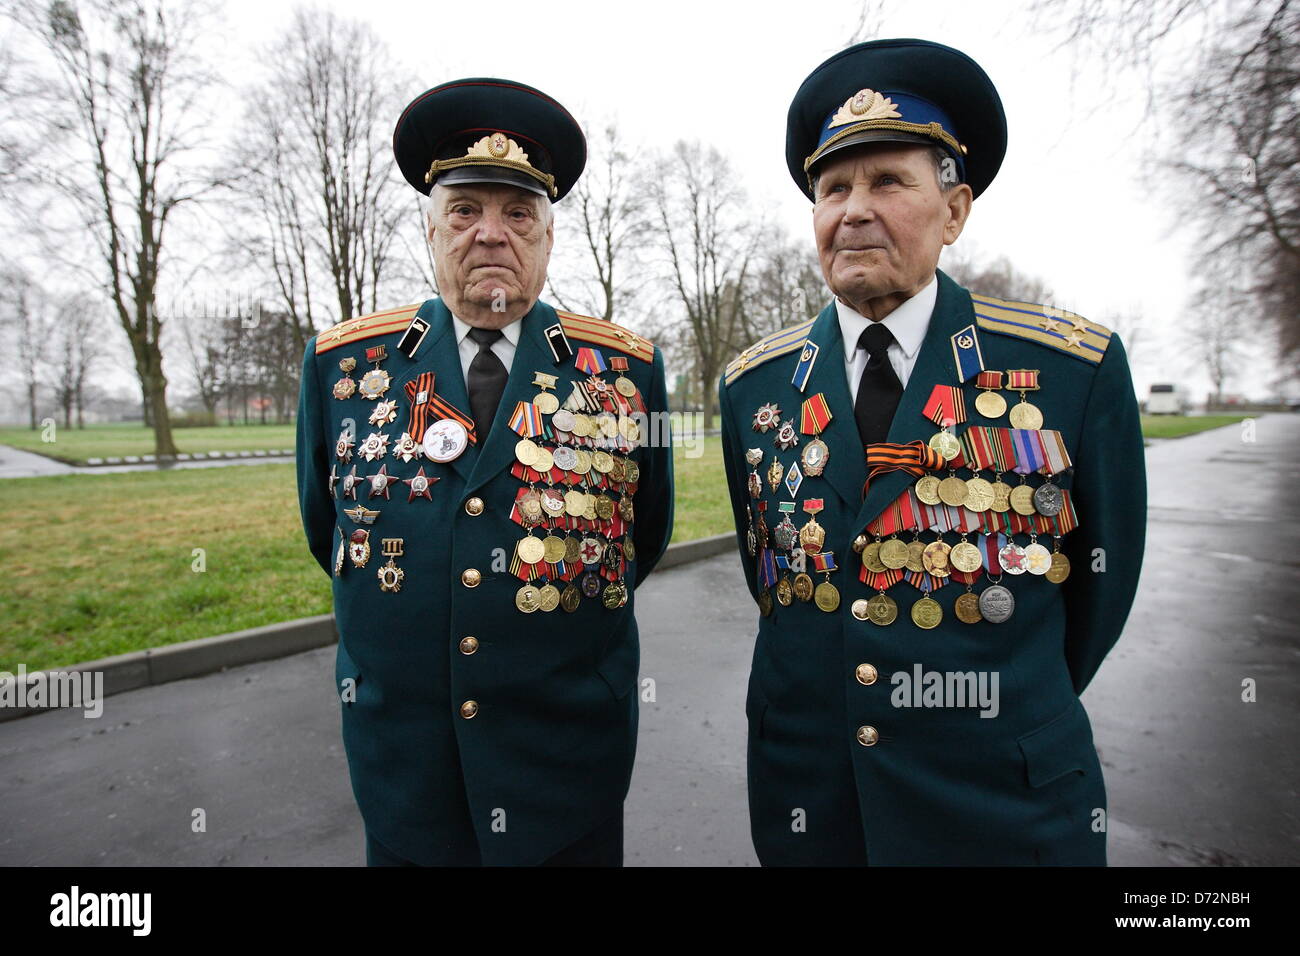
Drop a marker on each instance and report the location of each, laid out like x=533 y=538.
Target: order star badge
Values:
x=384 y=412
x=375 y=446
x=380 y=482
x=767 y=417
x=420 y=485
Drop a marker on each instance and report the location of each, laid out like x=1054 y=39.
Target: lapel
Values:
x=846 y=468
x=440 y=355
x=532 y=354
x=934 y=366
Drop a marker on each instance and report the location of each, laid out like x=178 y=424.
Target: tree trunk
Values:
x=31 y=403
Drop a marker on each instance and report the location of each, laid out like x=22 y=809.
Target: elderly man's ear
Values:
x=959 y=200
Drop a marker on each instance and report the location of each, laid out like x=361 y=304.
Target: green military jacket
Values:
x=844 y=717
x=462 y=697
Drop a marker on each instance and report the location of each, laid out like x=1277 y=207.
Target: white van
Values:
x=1168 y=399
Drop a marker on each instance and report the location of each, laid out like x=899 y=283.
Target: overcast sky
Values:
x=1072 y=203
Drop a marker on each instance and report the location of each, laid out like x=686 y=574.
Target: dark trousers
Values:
x=603 y=846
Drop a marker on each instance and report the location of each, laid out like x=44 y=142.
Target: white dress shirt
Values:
x=503 y=348
x=908 y=323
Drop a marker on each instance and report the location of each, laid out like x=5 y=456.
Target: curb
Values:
x=207 y=655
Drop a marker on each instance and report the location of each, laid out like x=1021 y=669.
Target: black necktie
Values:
x=879 y=388
x=486 y=380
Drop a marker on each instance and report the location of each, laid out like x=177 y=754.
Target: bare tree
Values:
x=1216 y=339
x=78 y=345
x=315 y=170
x=710 y=239
x=786 y=287
x=997 y=277
x=611 y=211
x=27 y=315
x=127 y=88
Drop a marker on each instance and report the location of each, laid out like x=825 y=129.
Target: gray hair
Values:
x=941 y=157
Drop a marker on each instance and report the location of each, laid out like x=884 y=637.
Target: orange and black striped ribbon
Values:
x=419 y=409
x=444 y=409
x=913 y=457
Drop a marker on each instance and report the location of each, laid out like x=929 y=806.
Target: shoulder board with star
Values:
x=589 y=329
x=767 y=348
x=366 y=327
x=1064 y=331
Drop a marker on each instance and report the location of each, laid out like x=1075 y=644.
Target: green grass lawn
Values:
x=1178 y=426
x=119 y=440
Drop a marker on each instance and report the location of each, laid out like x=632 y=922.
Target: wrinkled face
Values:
x=491 y=246
x=880 y=220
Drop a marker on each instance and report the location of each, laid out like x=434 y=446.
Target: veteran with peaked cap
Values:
x=940 y=505
x=485 y=480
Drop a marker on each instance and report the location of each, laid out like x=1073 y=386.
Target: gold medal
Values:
x=629 y=552
x=946 y=444
x=915 y=555
x=571 y=599
x=583 y=464
x=625 y=508
x=602 y=461
x=530 y=508
x=774 y=474
x=952 y=491
x=552 y=549
x=1001 y=497
x=526 y=452
x=548 y=595
x=575 y=503
x=827 y=597
x=784 y=592
x=990 y=404
x=530 y=550
x=624 y=386
x=1060 y=569
x=926 y=613
x=614 y=595
x=582 y=426
x=965 y=557
x=967 y=607
x=927 y=489
x=871 y=558
x=882 y=609
x=528 y=599
x=547 y=404
x=633 y=472
x=545 y=461
x=1022 y=500
x=572 y=549
x=604 y=508
x=1025 y=415
x=803 y=587
x=935 y=558
x=893 y=553
x=979 y=494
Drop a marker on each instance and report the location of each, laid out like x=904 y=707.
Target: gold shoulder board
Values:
x=1064 y=331
x=767 y=348
x=589 y=329
x=366 y=326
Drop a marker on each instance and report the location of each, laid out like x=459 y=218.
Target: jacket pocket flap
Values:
x=1062 y=745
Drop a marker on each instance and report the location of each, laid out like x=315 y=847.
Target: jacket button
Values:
x=474 y=506
x=468 y=645
x=866 y=674
x=470 y=577
x=867 y=736
x=469 y=709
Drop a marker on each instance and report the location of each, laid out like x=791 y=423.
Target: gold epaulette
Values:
x=590 y=329
x=366 y=326
x=768 y=348
x=1064 y=331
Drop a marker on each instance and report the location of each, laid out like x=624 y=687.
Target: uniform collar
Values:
x=908 y=323
x=510 y=331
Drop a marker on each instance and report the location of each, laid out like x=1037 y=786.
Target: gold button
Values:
x=866 y=674
x=468 y=645
x=474 y=506
x=860 y=609
x=470 y=577
x=469 y=709
x=867 y=736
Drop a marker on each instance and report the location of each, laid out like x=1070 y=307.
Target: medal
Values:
x=786 y=437
x=946 y=444
x=814 y=416
x=380 y=482
x=926 y=613
x=390 y=575
x=359 y=547
x=339 y=555
x=374 y=447
x=989 y=403
x=1012 y=558
x=333 y=479
x=343 y=447
x=996 y=604
x=754 y=456
x=548 y=597
x=361 y=514
x=629 y=548
x=1022 y=499
x=793 y=479
x=774 y=474
x=803 y=587
x=350 y=484
x=812 y=535
x=1001 y=497
x=935 y=558
x=967 y=607
x=406 y=448
x=419 y=485
x=826 y=595
x=375 y=382
x=767 y=417
x=952 y=491
x=563 y=420
x=547 y=403
x=384 y=412
x=893 y=553
x=345 y=388
x=590 y=584
x=530 y=550
x=1024 y=415
x=445 y=440
x=979 y=494
x=784 y=592
x=965 y=557
x=623 y=385
x=1038 y=560
x=871 y=558
x=1060 y=569
x=571 y=598
x=915 y=555
x=1048 y=499
x=614 y=595
x=881 y=609
x=927 y=489
x=785 y=533
x=528 y=599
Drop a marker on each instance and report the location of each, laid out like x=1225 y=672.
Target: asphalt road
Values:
x=1195 y=776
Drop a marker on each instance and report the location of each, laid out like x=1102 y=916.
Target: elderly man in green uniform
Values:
x=487 y=480
x=940 y=503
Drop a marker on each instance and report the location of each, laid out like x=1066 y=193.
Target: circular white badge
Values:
x=445 y=440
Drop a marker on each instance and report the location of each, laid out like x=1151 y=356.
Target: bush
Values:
x=200 y=419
